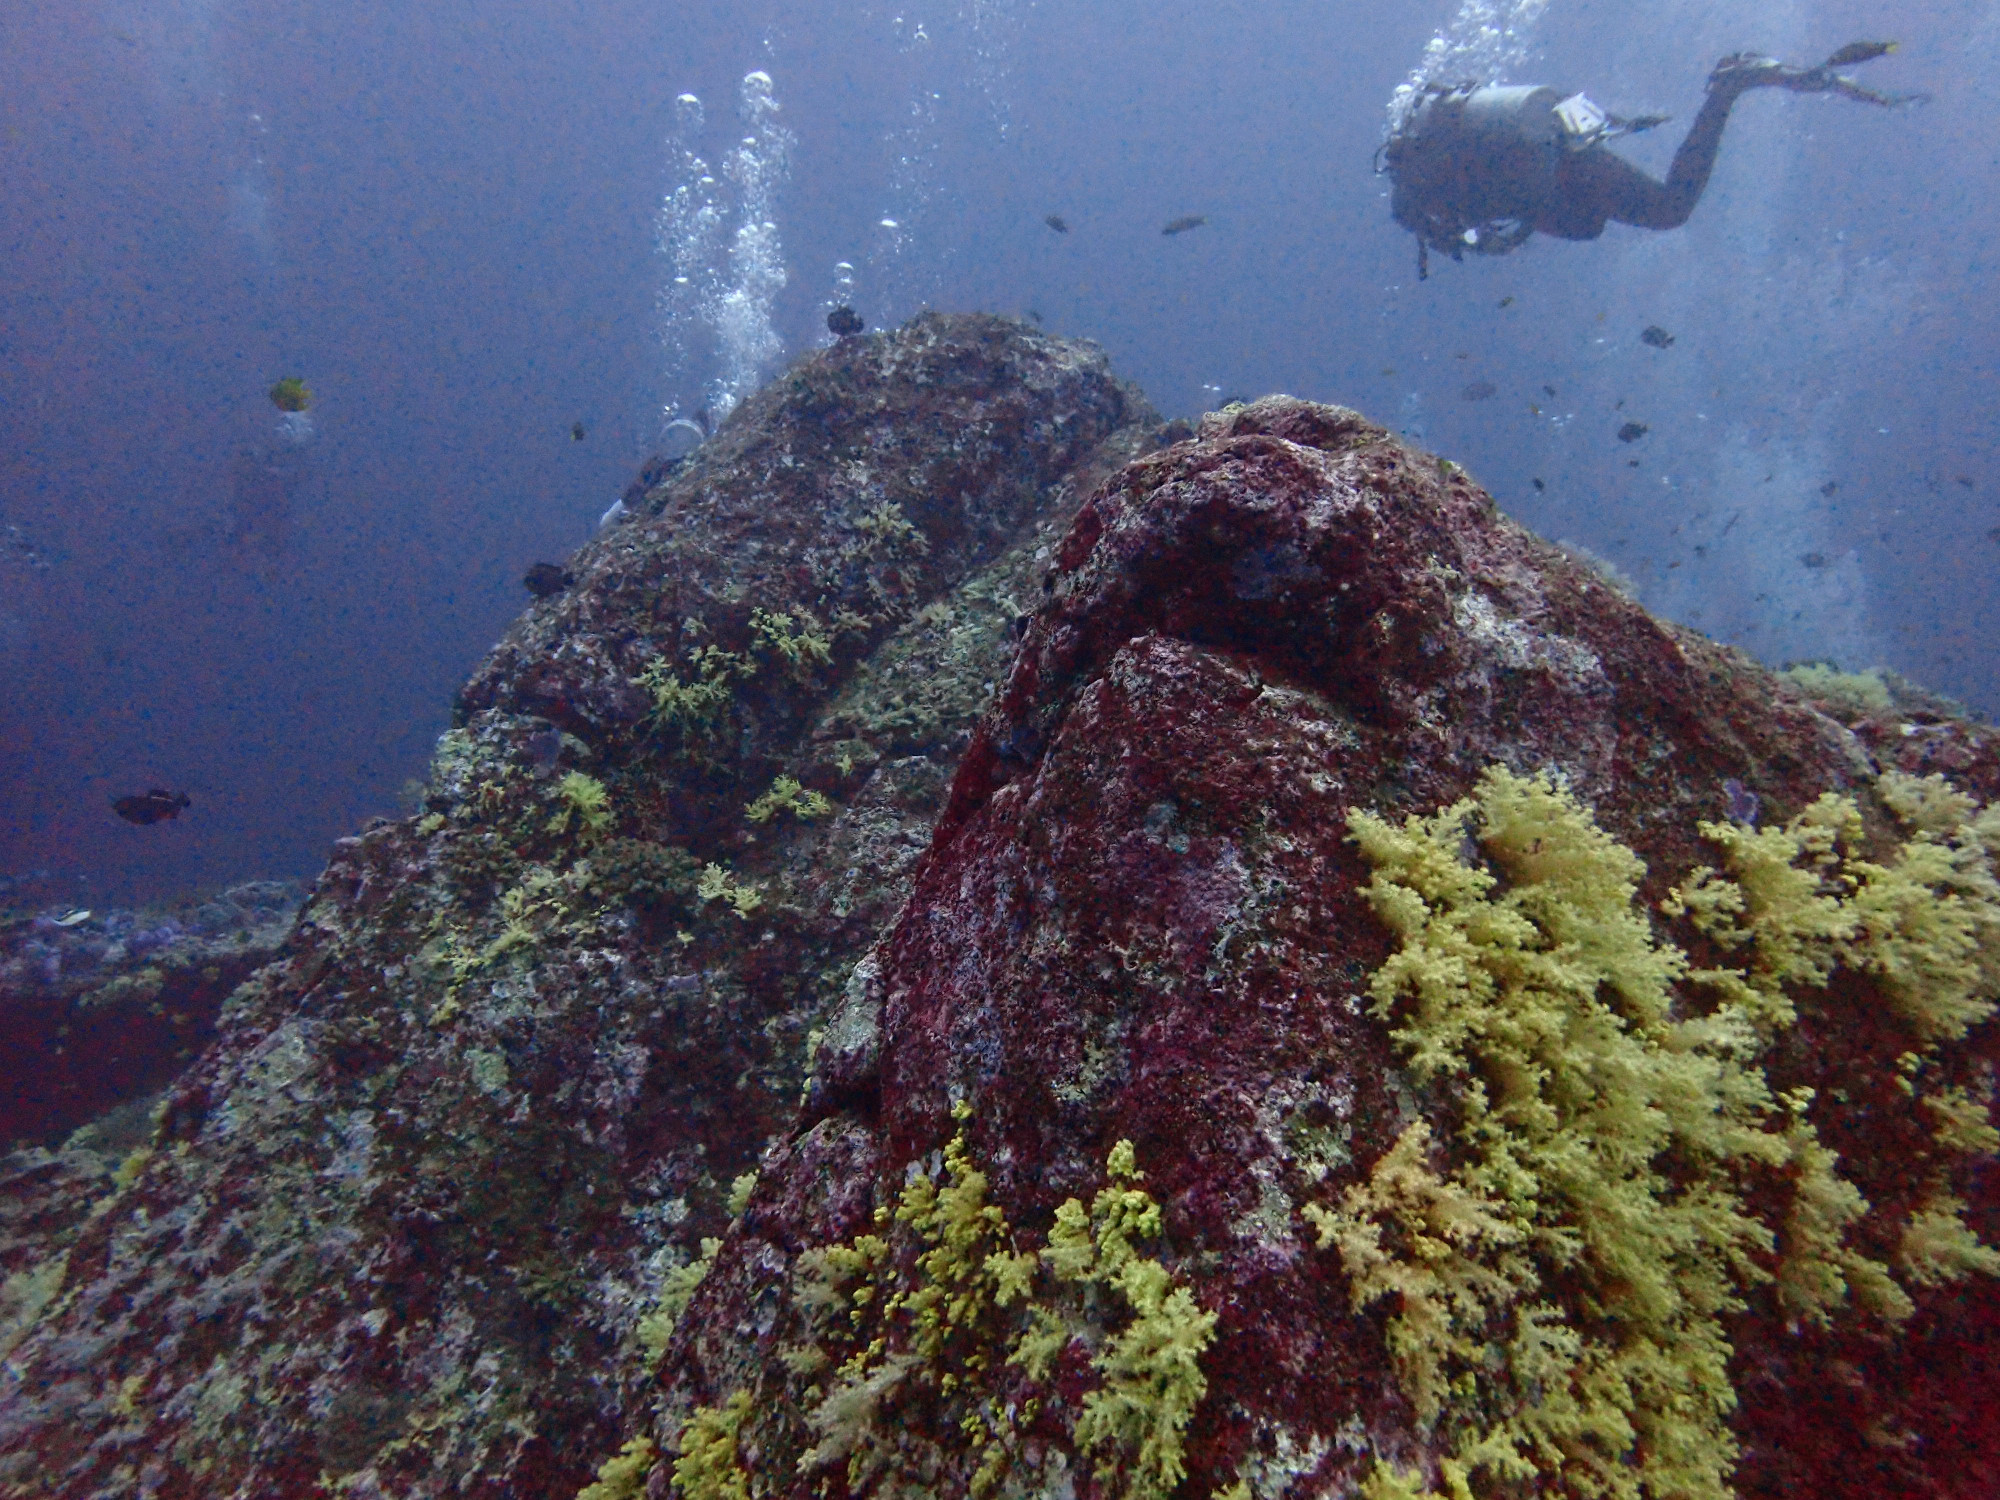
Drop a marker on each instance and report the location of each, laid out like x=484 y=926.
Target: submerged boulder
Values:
x=990 y=947
x=1207 y=1126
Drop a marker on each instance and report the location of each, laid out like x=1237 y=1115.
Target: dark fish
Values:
x=1631 y=432
x=1036 y=315
x=1506 y=301
x=1058 y=223
x=157 y=805
x=290 y=394
x=544 y=579
x=1829 y=487
x=1479 y=390
x=1655 y=335
x=1814 y=559
x=844 y=322
x=1964 y=481
x=1858 y=52
x=1549 y=390
x=576 y=432
x=1539 y=486
x=1184 y=224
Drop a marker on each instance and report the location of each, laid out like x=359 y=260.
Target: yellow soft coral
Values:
x=1536 y=986
x=1560 y=1259
x=936 y=1315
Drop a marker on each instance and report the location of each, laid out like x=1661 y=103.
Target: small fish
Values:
x=1631 y=432
x=1631 y=463
x=1858 y=52
x=1479 y=390
x=1539 y=486
x=1814 y=559
x=1742 y=802
x=1549 y=391
x=1036 y=315
x=1184 y=224
x=155 y=805
x=74 y=918
x=1058 y=223
x=1655 y=335
x=697 y=425
x=544 y=579
x=576 y=432
x=291 y=394
x=1964 y=482
x=1506 y=302
x=844 y=322
x=1829 y=487
x=1388 y=372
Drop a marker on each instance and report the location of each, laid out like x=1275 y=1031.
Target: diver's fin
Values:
x=1823 y=79
x=1847 y=88
x=1856 y=53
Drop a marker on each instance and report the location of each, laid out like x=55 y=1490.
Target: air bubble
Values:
x=721 y=286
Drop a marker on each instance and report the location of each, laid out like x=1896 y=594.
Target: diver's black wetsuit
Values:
x=1594 y=186
x=1482 y=168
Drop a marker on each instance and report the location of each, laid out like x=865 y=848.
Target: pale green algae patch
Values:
x=1561 y=1243
x=944 y=1318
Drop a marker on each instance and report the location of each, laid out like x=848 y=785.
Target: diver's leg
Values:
x=1626 y=194
x=1603 y=186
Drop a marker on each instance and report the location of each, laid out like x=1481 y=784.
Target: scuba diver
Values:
x=1482 y=167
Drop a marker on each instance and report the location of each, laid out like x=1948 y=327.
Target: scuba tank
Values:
x=1471 y=163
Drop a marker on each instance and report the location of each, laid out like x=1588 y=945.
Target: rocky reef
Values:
x=100 y=1009
x=988 y=945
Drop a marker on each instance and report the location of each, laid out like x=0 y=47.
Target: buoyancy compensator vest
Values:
x=1472 y=164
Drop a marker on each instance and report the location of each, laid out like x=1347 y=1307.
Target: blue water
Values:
x=448 y=220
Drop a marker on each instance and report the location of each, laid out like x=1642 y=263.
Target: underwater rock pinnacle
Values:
x=917 y=856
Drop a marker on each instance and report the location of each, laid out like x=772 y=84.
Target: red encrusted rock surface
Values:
x=102 y=1013
x=1141 y=918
